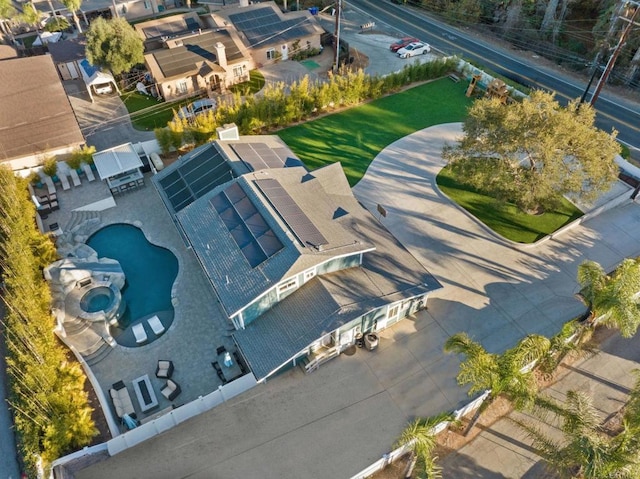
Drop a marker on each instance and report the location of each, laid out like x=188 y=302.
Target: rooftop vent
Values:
x=228 y=132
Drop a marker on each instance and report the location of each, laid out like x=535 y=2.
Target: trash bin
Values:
x=313 y=10
x=371 y=341
x=359 y=340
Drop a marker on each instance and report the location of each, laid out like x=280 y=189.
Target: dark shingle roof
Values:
x=236 y=281
x=68 y=50
x=194 y=50
x=36 y=115
x=388 y=274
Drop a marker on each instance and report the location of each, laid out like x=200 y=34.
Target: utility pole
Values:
x=614 y=56
x=336 y=65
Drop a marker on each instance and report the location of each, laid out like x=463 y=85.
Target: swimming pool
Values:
x=150 y=271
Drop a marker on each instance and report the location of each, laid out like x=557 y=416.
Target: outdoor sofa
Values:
x=121 y=399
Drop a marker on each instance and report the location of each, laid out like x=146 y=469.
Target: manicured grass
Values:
x=254 y=85
x=147 y=113
x=507 y=220
x=355 y=136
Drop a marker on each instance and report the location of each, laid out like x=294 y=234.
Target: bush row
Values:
x=46 y=390
x=279 y=105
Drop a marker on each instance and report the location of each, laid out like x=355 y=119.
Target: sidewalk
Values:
x=503 y=451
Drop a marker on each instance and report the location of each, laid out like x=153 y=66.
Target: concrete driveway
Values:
x=105 y=122
x=341 y=418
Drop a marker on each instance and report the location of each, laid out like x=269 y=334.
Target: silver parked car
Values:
x=197 y=107
x=413 y=49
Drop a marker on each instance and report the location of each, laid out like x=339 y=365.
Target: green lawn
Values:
x=507 y=220
x=254 y=85
x=147 y=113
x=355 y=136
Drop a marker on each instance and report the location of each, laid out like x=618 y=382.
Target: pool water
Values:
x=150 y=270
x=97 y=299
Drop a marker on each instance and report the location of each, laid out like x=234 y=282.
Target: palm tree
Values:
x=509 y=373
x=73 y=6
x=585 y=451
x=612 y=298
x=420 y=436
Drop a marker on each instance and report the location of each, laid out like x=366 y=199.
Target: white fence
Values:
x=389 y=457
x=163 y=423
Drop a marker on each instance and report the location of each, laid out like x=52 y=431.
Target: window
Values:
x=237 y=71
x=287 y=286
x=393 y=311
x=309 y=274
x=147 y=4
x=182 y=86
x=271 y=54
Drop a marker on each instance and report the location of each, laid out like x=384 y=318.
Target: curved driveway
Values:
x=493 y=290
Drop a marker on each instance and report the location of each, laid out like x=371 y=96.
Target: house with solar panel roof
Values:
x=186 y=57
x=301 y=269
x=267 y=32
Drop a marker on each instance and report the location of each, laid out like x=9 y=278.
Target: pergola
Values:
x=120 y=167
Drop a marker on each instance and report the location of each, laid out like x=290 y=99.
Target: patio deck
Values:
x=199 y=326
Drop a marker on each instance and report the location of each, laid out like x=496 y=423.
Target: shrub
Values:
x=50 y=166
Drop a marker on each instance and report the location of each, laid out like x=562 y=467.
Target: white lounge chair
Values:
x=156 y=325
x=88 y=171
x=64 y=180
x=50 y=186
x=139 y=333
x=74 y=177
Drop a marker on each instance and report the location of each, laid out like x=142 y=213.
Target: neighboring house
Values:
x=67 y=55
x=36 y=118
x=186 y=59
x=299 y=266
x=129 y=9
x=268 y=33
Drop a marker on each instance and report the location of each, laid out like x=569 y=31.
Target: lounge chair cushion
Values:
x=164 y=369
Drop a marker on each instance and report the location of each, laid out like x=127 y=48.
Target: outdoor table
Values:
x=144 y=392
x=230 y=372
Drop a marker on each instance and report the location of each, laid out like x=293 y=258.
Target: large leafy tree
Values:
x=501 y=374
x=613 y=299
x=585 y=450
x=532 y=152
x=114 y=44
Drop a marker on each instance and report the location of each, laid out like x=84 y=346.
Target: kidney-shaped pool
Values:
x=150 y=272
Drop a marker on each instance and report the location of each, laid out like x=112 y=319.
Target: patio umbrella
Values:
x=129 y=422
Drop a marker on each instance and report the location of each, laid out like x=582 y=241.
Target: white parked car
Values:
x=413 y=49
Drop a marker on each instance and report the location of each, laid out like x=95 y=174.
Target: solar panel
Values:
x=171 y=28
x=260 y=156
x=246 y=225
x=264 y=25
x=297 y=221
x=194 y=177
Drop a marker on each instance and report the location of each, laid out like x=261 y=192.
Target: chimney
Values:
x=221 y=55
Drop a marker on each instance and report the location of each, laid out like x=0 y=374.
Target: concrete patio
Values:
x=199 y=326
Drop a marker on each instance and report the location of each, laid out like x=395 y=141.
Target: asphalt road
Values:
x=612 y=112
